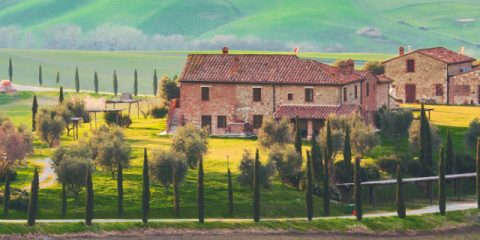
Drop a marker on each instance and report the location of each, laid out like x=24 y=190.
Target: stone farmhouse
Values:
x=434 y=74
x=231 y=94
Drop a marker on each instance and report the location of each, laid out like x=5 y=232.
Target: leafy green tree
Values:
x=478 y=173
x=287 y=162
x=155 y=83
x=375 y=67
x=326 y=185
x=15 y=144
x=6 y=195
x=146 y=188
x=400 y=194
x=168 y=88
x=95 y=82
x=61 y=98
x=34 y=112
x=200 y=192
x=77 y=80
x=441 y=182
x=246 y=168
x=115 y=83
x=57 y=79
x=309 y=189
x=358 y=189
x=161 y=168
x=49 y=128
x=10 y=70
x=275 y=132
x=347 y=151
x=256 y=188
x=40 y=75
x=192 y=142
x=120 y=188
x=317 y=161
x=298 y=137
x=33 y=201
x=426 y=155
x=89 y=199
x=230 y=191
x=135 y=83
x=450 y=156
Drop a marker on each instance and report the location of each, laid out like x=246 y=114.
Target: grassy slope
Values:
x=331 y=24
x=26 y=64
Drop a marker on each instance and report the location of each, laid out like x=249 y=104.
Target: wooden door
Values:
x=410 y=93
x=207 y=122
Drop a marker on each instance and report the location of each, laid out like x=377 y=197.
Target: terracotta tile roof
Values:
x=315 y=111
x=383 y=79
x=442 y=54
x=262 y=68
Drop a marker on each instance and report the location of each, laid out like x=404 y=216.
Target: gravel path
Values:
x=46 y=174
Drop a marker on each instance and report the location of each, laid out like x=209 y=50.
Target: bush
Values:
x=158 y=111
x=343 y=172
x=370 y=172
x=246 y=171
x=465 y=163
x=161 y=168
x=287 y=162
x=123 y=120
x=414 y=168
x=472 y=134
x=375 y=67
x=414 y=136
x=395 y=123
x=388 y=164
x=18 y=199
x=275 y=132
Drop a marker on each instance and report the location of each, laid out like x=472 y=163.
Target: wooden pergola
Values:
x=75 y=121
x=95 y=111
x=114 y=102
x=429 y=180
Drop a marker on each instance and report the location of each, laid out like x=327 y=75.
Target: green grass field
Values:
x=327 y=24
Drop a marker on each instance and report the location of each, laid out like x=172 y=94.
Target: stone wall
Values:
x=465 y=87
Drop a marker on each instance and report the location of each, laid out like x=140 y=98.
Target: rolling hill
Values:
x=320 y=25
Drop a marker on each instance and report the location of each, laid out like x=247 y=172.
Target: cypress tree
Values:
x=10 y=70
x=135 y=83
x=326 y=185
x=329 y=143
x=400 y=194
x=358 y=189
x=57 y=79
x=450 y=157
x=298 y=138
x=33 y=201
x=441 y=182
x=120 y=189
x=34 y=112
x=478 y=173
x=6 y=195
x=95 y=82
x=146 y=188
x=426 y=156
x=200 y=192
x=317 y=162
x=64 y=199
x=256 y=188
x=40 y=75
x=77 y=80
x=347 y=150
x=89 y=199
x=309 y=190
x=230 y=190
x=176 y=197
x=115 y=82
x=60 y=95
x=155 y=83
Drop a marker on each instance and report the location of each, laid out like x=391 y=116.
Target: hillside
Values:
x=320 y=25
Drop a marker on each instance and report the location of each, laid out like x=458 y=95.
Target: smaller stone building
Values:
x=466 y=87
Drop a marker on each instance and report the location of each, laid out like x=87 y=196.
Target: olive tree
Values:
x=50 y=127
x=414 y=136
x=288 y=163
x=15 y=144
x=162 y=165
x=275 y=132
x=246 y=171
x=192 y=142
x=109 y=148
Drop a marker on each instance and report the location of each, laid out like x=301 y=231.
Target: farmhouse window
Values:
x=205 y=93
x=308 y=94
x=368 y=89
x=221 y=121
x=356 y=91
x=257 y=94
x=438 y=90
x=410 y=65
x=344 y=94
x=462 y=90
x=290 y=96
x=257 y=121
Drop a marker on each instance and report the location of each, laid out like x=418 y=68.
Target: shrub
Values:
x=374 y=67
x=161 y=168
x=287 y=162
x=395 y=123
x=125 y=121
x=388 y=163
x=414 y=168
x=192 y=142
x=246 y=171
x=275 y=132
x=472 y=134
x=370 y=172
x=18 y=199
x=414 y=136
x=343 y=172
x=158 y=111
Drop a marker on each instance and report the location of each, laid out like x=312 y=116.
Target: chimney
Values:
x=225 y=50
x=401 y=51
x=347 y=67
